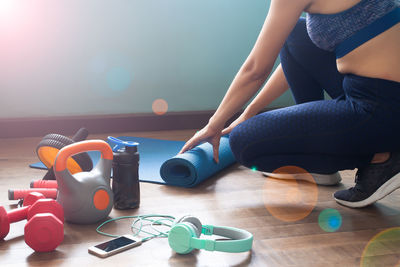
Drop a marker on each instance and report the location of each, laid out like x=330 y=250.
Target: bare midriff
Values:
x=377 y=58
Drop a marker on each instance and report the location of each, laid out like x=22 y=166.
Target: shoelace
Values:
x=357 y=188
x=357 y=176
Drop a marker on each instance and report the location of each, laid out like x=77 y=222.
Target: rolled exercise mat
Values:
x=196 y=165
x=154 y=153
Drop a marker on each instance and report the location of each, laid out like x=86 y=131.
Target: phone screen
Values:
x=115 y=244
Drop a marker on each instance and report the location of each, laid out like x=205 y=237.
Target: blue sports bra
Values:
x=344 y=31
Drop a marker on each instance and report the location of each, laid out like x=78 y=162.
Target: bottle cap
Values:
x=118 y=144
x=124 y=151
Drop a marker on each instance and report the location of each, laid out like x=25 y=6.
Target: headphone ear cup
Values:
x=196 y=230
x=195 y=222
x=179 y=237
x=178 y=220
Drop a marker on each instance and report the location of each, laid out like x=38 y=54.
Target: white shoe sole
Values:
x=384 y=190
x=320 y=179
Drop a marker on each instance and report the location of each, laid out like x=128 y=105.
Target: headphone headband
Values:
x=239 y=240
x=184 y=236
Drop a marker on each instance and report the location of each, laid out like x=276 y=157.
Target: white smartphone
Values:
x=114 y=246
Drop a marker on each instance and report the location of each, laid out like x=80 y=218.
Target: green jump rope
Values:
x=138 y=225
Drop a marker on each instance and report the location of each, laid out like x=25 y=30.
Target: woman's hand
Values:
x=207 y=134
x=235 y=123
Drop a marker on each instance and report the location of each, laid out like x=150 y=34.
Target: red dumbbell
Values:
x=32 y=198
x=15 y=194
x=44 y=184
x=44 y=230
x=7 y=218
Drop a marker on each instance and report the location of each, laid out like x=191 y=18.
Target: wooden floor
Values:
x=280 y=214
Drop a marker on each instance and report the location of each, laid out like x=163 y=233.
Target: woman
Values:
x=350 y=49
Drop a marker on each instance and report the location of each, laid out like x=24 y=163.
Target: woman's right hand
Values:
x=235 y=123
x=207 y=134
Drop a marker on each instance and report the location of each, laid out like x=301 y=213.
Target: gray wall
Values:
x=83 y=57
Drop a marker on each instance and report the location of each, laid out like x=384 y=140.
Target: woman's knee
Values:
x=237 y=142
x=241 y=148
x=299 y=33
x=296 y=44
x=241 y=140
x=234 y=141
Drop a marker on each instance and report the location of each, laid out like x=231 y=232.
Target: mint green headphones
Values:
x=184 y=237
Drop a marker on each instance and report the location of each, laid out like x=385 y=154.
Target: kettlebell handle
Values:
x=78 y=147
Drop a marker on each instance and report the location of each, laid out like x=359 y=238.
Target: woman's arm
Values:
x=275 y=87
x=281 y=19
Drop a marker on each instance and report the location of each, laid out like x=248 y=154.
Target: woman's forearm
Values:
x=274 y=88
x=261 y=59
x=243 y=87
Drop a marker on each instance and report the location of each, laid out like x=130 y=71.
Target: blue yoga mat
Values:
x=159 y=162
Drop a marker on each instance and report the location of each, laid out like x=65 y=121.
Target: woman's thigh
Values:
x=312 y=135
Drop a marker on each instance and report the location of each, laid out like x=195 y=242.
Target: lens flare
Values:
x=330 y=220
x=288 y=199
x=160 y=106
x=382 y=249
x=254 y=168
x=98 y=64
x=7 y=9
x=118 y=79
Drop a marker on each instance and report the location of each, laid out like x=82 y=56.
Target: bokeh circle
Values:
x=289 y=199
x=118 y=79
x=160 y=106
x=330 y=220
x=383 y=249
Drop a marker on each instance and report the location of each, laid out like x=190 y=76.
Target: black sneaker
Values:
x=373 y=182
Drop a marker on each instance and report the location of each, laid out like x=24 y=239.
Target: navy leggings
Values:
x=321 y=136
